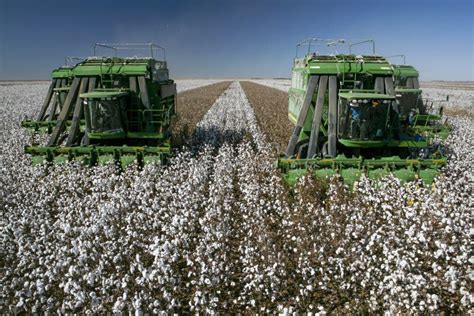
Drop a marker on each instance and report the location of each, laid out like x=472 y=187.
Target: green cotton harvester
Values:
x=107 y=109
x=347 y=120
x=424 y=115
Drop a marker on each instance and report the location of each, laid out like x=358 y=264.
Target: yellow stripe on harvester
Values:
x=292 y=118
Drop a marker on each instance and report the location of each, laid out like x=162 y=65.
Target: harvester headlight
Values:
x=385 y=101
x=365 y=101
x=359 y=101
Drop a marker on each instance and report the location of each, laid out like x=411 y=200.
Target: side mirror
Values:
x=447 y=98
x=441 y=111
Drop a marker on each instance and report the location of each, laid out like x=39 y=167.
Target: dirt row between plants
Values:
x=271 y=109
x=192 y=105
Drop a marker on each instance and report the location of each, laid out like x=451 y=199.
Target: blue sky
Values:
x=235 y=38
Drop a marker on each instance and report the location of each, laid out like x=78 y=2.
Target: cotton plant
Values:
x=217 y=230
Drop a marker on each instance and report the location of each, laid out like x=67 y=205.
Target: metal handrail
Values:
x=400 y=55
x=131 y=46
x=105 y=46
x=69 y=59
x=362 y=42
x=332 y=42
x=316 y=41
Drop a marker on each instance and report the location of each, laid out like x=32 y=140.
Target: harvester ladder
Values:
x=339 y=71
x=344 y=80
x=106 y=79
x=343 y=72
x=155 y=119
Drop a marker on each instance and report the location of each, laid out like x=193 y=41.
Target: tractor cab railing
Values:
x=312 y=41
x=315 y=42
x=151 y=47
x=398 y=56
x=71 y=61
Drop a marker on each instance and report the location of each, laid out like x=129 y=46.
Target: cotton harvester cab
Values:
x=423 y=115
x=347 y=121
x=116 y=109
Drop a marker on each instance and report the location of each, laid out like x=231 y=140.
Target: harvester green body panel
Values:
x=115 y=109
x=61 y=72
x=347 y=121
x=99 y=94
x=404 y=71
x=96 y=67
x=338 y=64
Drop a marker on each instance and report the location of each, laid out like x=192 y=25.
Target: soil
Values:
x=191 y=107
x=271 y=109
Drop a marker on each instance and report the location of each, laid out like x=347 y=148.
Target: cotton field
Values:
x=280 y=84
x=218 y=231
x=188 y=84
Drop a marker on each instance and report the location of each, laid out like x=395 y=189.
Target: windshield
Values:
x=105 y=115
x=401 y=81
x=365 y=119
x=409 y=101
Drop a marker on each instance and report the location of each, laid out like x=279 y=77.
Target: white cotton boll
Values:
x=402 y=264
x=118 y=306
x=137 y=302
x=20 y=303
x=219 y=201
x=90 y=279
x=421 y=237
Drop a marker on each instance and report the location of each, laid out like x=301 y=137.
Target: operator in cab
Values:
x=375 y=120
x=355 y=118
